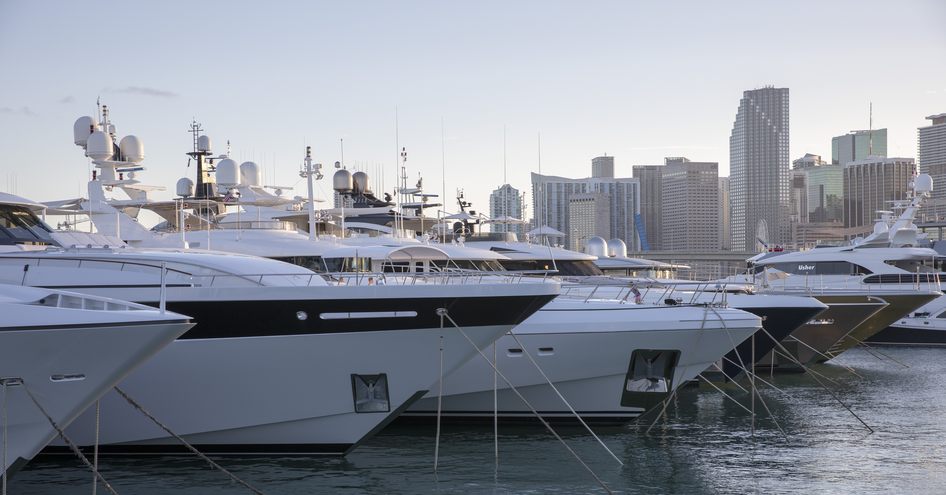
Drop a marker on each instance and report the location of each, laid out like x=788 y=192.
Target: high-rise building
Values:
x=725 y=215
x=858 y=145
x=759 y=178
x=589 y=215
x=799 y=197
x=825 y=188
x=690 y=206
x=650 y=177
x=506 y=201
x=551 y=202
x=931 y=159
x=869 y=186
x=603 y=167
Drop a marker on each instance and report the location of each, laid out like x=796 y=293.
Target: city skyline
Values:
x=329 y=72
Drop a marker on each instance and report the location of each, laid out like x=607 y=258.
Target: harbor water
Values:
x=704 y=443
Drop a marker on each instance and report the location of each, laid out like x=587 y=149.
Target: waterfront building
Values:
x=551 y=202
x=931 y=159
x=506 y=201
x=759 y=178
x=870 y=185
x=589 y=215
x=690 y=205
x=858 y=145
x=824 y=183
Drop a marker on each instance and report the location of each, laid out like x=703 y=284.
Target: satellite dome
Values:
x=597 y=246
x=923 y=183
x=82 y=129
x=228 y=173
x=185 y=187
x=250 y=174
x=342 y=181
x=617 y=248
x=203 y=143
x=133 y=150
x=99 y=146
x=360 y=182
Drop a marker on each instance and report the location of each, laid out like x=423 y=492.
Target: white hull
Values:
x=98 y=357
x=281 y=394
x=587 y=358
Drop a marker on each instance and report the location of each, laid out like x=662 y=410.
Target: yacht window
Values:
x=347 y=265
x=820 y=268
x=913 y=266
x=21 y=224
x=313 y=263
x=941 y=315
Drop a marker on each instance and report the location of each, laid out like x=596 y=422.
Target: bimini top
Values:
x=393 y=253
x=12 y=199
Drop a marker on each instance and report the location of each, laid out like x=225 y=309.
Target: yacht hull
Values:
x=66 y=368
x=811 y=341
x=898 y=305
x=588 y=360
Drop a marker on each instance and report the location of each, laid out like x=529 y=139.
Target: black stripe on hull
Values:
x=909 y=336
x=262 y=318
x=299 y=449
x=602 y=418
x=777 y=324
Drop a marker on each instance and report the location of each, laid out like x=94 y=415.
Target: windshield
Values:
x=19 y=225
x=564 y=267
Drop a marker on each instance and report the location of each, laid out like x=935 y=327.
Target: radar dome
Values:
x=228 y=173
x=82 y=129
x=99 y=146
x=360 y=182
x=617 y=248
x=923 y=183
x=133 y=150
x=203 y=143
x=342 y=181
x=597 y=246
x=250 y=174
x=880 y=227
x=185 y=187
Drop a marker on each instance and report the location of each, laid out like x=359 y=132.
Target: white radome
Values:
x=228 y=173
x=99 y=146
x=133 y=150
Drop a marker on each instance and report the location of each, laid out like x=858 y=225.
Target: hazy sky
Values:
x=636 y=80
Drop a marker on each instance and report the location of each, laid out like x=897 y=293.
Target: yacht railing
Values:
x=655 y=293
x=364 y=279
x=886 y=282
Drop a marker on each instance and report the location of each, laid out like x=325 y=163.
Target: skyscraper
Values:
x=602 y=166
x=869 y=185
x=551 y=201
x=725 y=215
x=931 y=159
x=759 y=174
x=651 y=180
x=690 y=206
x=858 y=145
x=506 y=201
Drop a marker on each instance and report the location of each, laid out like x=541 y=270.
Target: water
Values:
x=703 y=445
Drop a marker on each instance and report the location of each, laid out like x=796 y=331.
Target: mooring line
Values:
x=562 y=397
x=190 y=447
x=815 y=377
x=70 y=443
x=443 y=312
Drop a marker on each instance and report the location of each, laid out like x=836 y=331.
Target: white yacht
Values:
x=591 y=345
x=887 y=265
x=66 y=350
x=781 y=315
x=281 y=360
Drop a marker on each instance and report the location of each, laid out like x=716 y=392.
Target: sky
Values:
x=451 y=82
